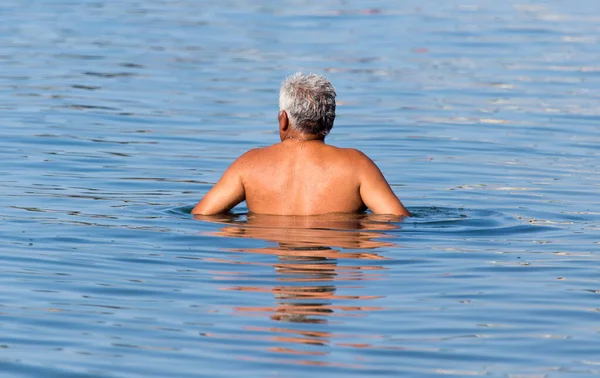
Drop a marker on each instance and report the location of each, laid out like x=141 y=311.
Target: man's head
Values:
x=309 y=102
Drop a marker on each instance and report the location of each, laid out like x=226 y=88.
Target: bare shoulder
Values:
x=375 y=191
x=363 y=165
x=254 y=152
x=249 y=156
x=252 y=159
x=358 y=157
x=358 y=154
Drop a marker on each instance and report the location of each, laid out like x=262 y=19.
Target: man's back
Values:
x=302 y=178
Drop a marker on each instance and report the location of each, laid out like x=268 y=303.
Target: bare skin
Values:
x=302 y=176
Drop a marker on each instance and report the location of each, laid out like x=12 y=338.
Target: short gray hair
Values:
x=309 y=101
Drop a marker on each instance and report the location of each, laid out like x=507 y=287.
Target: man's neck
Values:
x=300 y=137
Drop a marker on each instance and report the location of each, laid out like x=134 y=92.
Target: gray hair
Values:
x=309 y=101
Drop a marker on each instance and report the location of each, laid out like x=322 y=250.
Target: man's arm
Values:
x=375 y=190
x=226 y=193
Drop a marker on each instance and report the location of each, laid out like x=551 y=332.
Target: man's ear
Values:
x=284 y=122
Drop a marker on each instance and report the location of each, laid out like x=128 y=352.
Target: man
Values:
x=302 y=175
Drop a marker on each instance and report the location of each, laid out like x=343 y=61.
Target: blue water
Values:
x=117 y=116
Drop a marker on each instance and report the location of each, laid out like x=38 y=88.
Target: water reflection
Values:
x=315 y=257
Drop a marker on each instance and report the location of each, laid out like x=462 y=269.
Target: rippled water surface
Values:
x=117 y=116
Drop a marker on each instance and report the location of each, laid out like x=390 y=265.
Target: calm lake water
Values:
x=117 y=116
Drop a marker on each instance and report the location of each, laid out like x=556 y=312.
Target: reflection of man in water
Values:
x=314 y=236
x=308 y=251
x=302 y=175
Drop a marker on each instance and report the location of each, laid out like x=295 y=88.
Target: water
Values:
x=116 y=117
